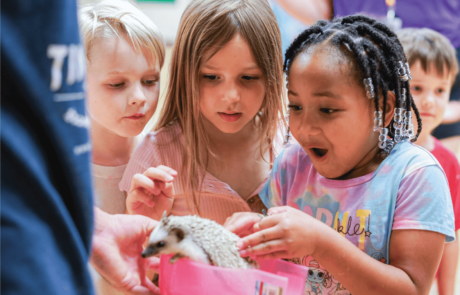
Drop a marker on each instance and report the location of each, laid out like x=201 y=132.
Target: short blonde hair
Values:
x=114 y=17
x=431 y=48
x=205 y=27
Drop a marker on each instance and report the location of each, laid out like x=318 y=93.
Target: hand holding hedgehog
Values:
x=199 y=239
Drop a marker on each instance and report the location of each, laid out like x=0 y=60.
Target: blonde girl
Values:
x=125 y=52
x=224 y=106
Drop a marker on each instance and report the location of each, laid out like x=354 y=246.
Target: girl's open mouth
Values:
x=319 y=153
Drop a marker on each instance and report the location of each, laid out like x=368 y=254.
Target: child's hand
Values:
x=152 y=192
x=242 y=223
x=285 y=233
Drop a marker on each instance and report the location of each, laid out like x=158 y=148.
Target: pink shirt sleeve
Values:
x=145 y=156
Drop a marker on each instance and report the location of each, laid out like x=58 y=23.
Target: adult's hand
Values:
x=116 y=254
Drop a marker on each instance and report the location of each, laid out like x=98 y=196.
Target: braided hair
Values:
x=376 y=53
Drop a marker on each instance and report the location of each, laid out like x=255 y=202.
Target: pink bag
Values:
x=275 y=277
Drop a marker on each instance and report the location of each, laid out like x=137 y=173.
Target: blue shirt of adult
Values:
x=46 y=195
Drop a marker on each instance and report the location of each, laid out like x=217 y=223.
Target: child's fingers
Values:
x=168 y=170
x=142 y=181
x=264 y=248
x=241 y=224
x=158 y=174
x=166 y=187
x=258 y=238
x=139 y=196
x=159 y=185
x=268 y=222
x=277 y=210
x=273 y=255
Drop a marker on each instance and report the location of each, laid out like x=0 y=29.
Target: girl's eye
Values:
x=294 y=107
x=249 y=78
x=150 y=82
x=117 y=85
x=327 y=111
x=211 y=77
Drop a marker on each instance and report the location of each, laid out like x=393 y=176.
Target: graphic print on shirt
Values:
x=75 y=56
x=317 y=278
x=75 y=72
x=354 y=225
x=320 y=281
x=379 y=256
x=407 y=191
x=326 y=210
x=340 y=290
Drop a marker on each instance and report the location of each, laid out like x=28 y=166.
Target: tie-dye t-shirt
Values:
x=408 y=190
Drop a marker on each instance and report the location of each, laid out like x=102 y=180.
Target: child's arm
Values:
x=414 y=255
x=152 y=192
x=448 y=268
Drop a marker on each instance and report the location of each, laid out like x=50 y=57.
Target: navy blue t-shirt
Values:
x=46 y=201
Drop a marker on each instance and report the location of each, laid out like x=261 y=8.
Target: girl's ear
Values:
x=389 y=107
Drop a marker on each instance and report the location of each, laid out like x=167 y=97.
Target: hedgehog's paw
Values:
x=176 y=257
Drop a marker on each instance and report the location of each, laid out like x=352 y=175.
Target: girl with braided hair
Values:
x=359 y=198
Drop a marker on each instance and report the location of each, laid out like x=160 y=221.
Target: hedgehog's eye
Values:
x=160 y=244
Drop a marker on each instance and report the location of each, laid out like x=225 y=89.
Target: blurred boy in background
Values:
x=434 y=65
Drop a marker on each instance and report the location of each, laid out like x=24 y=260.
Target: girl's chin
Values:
x=330 y=172
x=229 y=130
x=327 y=173
x=230 y=127
x=224 y=127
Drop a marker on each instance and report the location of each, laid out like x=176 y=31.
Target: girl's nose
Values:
x=137 y=97
x=231 y=93
x=308 y=125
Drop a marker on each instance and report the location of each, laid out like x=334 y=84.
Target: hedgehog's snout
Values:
x=151 y=250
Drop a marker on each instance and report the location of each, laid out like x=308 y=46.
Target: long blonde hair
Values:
x=206 y=26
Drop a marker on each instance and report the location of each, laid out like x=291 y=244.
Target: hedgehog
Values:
x=198 y=239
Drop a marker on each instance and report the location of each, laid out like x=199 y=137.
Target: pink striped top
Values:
x=217 y=199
